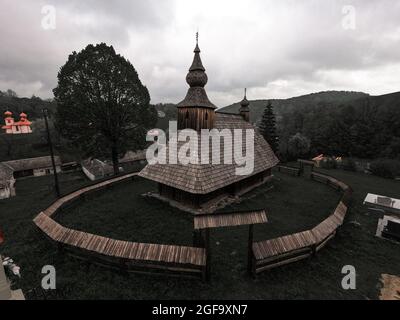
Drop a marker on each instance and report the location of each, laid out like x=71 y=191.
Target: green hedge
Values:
x=386 y=168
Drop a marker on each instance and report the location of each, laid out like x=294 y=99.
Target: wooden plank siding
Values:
x=195 y=118
x=146 y=255
x=272 y=253
x=205 y=221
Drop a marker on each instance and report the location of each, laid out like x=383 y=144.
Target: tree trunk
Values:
x=114 y=155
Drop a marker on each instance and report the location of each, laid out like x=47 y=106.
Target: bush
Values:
x=328 y=163
x=298 y=146
x=349 y=164
x=385 y=168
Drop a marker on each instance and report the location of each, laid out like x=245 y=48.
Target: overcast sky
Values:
x=277 y=49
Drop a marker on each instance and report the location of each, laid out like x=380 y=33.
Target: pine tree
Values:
x=268 y=127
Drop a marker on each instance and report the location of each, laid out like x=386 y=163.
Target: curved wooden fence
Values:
x=131 y=256
x=272 y=253
x=193 y=261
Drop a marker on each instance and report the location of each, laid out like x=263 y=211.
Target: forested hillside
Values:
x=31 y=106
x=326 y=98
x=337 y=123
x=166 y=112
x=35 y=144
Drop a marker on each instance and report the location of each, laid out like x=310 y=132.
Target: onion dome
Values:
x=8 y=114
x=244 y=104
x=196 y=76
x=196 y=79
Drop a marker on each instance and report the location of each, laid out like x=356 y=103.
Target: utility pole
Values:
x=45 y=114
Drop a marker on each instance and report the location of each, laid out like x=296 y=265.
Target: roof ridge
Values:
x=228 y=113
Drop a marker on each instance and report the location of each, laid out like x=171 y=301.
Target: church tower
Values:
x=196 y=111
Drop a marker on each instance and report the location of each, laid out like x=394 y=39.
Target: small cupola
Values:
x=244 y=109
x=8 y=118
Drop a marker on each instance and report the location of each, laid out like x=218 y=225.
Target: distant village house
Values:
x=19 y=127
x=15 y=169
x=39 y=166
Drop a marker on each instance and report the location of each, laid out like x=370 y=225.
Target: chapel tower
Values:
x=196 y=111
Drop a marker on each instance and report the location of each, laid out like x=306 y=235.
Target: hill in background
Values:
x=336 y=122
x=342 y=123
x=167 y=111
x=281 y=106
x=31 y=106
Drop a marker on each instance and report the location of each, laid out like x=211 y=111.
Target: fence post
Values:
x=250 y=250
x=208 y=254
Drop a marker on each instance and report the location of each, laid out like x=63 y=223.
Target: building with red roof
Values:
x=16 y=127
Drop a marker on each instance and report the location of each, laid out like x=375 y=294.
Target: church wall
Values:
x=197 y=200
x=196 y=118
x=25 y=129
x=36 y=172
x=45 y=171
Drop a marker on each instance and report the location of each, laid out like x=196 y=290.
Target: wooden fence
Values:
x=185 y=260
x=290 y=248
x=289 y=170
x=126 y=255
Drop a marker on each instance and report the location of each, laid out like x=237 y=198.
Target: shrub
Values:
x=386 y=168
x=349 y=164
x=328 y=163
x=298 y=146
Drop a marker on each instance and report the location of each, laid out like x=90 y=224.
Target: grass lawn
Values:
x=295 y=204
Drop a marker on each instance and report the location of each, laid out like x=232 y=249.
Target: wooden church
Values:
x=199 y=185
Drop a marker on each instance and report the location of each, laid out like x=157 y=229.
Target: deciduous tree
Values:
x=102 y=106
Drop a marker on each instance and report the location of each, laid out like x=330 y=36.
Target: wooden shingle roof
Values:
x=281 y=245
x=205 y=178
x=215 y=220
x=32 y=163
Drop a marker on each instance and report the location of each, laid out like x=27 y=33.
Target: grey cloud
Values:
x=272 y=47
